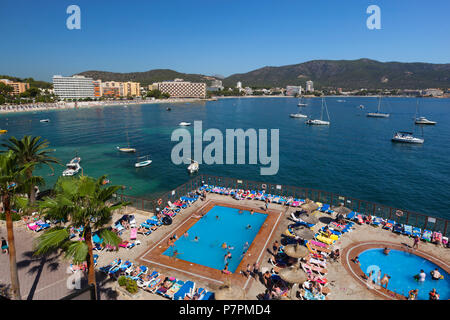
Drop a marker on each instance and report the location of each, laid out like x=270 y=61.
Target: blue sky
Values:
x=214 y=37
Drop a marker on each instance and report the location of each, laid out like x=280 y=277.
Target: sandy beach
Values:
x=88 y=104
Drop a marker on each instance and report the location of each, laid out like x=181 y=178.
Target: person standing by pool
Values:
x=266 y=204
x=275 y=247
x=186 y=234
x=255 y=271
x=416 y=242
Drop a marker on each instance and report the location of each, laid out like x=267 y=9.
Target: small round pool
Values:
x=402 y=267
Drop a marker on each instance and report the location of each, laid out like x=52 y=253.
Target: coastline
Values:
x=89 y=104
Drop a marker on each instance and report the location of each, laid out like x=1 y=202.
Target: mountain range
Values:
x=345 y=74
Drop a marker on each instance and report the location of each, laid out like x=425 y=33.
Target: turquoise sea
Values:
x=354 y=156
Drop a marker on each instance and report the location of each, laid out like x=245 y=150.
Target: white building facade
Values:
x=76 y=87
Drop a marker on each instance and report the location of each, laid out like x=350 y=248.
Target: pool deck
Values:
x=155 y=258
x=345 y=281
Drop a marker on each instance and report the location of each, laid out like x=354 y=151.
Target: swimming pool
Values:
x=402 y=267
x=230 y=228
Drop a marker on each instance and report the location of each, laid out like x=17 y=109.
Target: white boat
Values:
x=361 y=106
x=406 y=137
x=44 y=120
x=340 y=100
x=144 y=163
x=320 y=121
x=423 y=120
x=193 y=167
x=184 y=123
x=298 y=115
x=73 y=167
x=378 y=114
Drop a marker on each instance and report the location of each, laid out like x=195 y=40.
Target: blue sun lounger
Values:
x=407 y=230
x=184 y=290
x=325 y=208
x=398 y=228
x=207 y=296
x=417 y=232
x=351 y=215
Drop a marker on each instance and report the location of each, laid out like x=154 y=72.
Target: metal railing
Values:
x=362 y=206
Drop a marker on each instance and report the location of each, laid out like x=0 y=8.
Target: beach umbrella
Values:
x=293 y=275
x=296 y=251
x=342 y=210
x=229 y=293
x=310 y=206
x=312 y=219
x=303 y=232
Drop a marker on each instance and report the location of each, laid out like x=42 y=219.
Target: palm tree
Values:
x=80 y=202
x=11 y=182
x=31 y=150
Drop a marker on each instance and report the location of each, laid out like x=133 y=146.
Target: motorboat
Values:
x=144 y=163
x=320 y=121
x=44 y=120
x=423 y=120
x=406 y=137
x=361 y=106
x=340 y=100
x=193 y=167
x=378 y=114
x=73 y=167
x=298 y=115
x=184 y=123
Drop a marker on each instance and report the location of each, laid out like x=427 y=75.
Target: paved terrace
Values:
x=46 y=278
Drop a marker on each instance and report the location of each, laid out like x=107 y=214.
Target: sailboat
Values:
x=144 y=163
x=321 y=121
x=378 y=114
x=422 y=120
x=128 y=149
x=300 y=103
x=407 y=137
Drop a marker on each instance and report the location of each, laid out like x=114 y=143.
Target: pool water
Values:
x=230 y=227
x=402 y=267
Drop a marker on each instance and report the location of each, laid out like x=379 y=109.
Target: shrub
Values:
x=131 y=286
x=122 y=281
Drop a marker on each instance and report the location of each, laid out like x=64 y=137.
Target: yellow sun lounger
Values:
x=326 y=240
x=289 y=234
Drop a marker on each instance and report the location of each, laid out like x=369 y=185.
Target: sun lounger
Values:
x=320 y=263
x=308 y=268
x=187 y=287
x=145 y=281
x=108 y=267
x=437 y=237
x=426 y=236
x=389 y=225
x=166 y=285
x=319 y=244
x=398 y=228
x=407 y=230
x=154 y=284
x=417 y=232
x=351 y=215
x=308 y=295
x=133 y=234
x=33 y=226
x=376 y=221
x=207 y=296
x=444 y=241
x=174 y=289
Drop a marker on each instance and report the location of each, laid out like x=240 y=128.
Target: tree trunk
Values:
x=32 y=192
x=90 y=259
x=15 y=286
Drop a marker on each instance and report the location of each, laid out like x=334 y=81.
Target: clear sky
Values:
x=214 y=37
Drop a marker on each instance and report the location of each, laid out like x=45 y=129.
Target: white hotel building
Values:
x=75 y=87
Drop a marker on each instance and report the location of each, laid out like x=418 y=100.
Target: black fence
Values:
x=364 y=207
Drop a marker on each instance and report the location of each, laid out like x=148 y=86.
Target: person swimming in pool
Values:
x=224 y=245
x=252 y=212
x=230 y=248
x=386 y=251
x=196 y=239
x=421 y=276
x=227 y=256
x=248 y=227
x=217 y=217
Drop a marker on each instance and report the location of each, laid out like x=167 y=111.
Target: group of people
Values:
x=432 y=295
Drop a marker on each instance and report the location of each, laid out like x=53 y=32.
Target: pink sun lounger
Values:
x=133 y=234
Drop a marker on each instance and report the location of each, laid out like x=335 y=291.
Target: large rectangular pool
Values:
x=220 y=225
